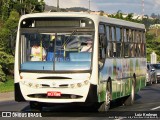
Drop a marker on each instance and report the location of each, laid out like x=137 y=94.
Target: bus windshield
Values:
x=56 y=51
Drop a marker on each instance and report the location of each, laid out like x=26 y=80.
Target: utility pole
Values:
x=142 y=8
x=57 y=5
x=89 y=5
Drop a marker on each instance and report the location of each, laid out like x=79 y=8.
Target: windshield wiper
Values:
x=66 y=41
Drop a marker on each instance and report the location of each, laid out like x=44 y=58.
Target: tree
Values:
x=10 y=11
x=7 y=36
x=6 y=65
x=119 y=15
x=8 y=32
x=101 y=13
x=129 y=17
x=30 y=6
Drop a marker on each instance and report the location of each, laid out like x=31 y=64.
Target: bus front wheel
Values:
x=35 y=105
x=104 y=106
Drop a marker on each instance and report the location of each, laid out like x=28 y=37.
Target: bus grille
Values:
x=63 y=96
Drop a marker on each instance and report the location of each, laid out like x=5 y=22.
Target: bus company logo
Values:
x=6 y=114
x=19 y=114
x=54 y=84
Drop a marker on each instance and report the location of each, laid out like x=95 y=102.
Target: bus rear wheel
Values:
x=35 y=105
x=130 y=99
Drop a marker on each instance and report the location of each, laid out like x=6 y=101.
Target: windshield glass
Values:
x=156 y=66
x=56 y=51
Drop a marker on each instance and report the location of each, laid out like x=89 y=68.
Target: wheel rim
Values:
x=107 y=102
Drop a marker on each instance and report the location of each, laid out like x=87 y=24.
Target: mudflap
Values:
x=17 y=93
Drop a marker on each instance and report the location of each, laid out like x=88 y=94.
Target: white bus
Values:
x=65 y=57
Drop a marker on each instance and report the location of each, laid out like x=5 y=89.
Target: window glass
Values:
x=126 y=49
x=140 y=37
x=110 y=50
x=113 y=33
x=61 y=51
x=101 y=29
x=102 y=41
x=132 y=50
x=137 y=37
x=138 y=50
x=124 y=35
x=127 y=35
x=130 y=36
x=133 y=36
x=119 y=49
x=118 y=34
x=107 y=33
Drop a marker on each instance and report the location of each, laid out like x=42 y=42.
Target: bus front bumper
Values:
x=84 y=93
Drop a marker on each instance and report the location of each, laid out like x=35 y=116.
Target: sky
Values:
x=112 y=6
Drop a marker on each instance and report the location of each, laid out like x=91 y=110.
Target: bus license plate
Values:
x=51 y=93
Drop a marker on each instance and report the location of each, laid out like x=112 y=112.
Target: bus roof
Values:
x=95 y=18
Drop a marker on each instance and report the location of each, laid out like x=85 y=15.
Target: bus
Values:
x=79 y=58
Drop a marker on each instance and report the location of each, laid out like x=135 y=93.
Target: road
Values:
x=147 y=101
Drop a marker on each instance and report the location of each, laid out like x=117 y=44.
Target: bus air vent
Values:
x=63 y=96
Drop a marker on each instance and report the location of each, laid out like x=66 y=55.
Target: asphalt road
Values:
x=147 y=102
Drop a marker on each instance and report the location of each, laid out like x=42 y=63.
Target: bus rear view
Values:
x=53 y=59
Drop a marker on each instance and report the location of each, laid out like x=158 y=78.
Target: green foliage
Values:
x=7 y=36
x=6 y=65
x=8 y=85
x=8 y=32
x=21 y=6
x=2 y=75
x=10 y=11
x=153 y=44
x=119 y=15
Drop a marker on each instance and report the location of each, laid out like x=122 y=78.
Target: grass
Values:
x=7 y=86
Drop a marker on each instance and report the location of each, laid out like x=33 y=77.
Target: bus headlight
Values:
x=37 y=85
x=79 y=84
x=30 y=84
x=86 y=82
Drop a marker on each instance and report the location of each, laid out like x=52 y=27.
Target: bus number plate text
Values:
x=51 y=93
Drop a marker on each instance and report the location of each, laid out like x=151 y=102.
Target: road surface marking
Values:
x=155 y=108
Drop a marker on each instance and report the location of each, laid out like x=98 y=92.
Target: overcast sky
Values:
x=112 y=6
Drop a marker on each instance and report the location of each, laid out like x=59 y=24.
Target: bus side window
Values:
x=102 y=43
x=109 y=46
x=119 y=42
x=126 y=42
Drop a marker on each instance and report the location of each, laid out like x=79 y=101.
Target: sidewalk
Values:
x=6 y=96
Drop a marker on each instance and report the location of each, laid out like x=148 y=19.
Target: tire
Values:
x=151 y=81
x=35 y=106
x=155 y=82
x=104 y=106
x=130 y=99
